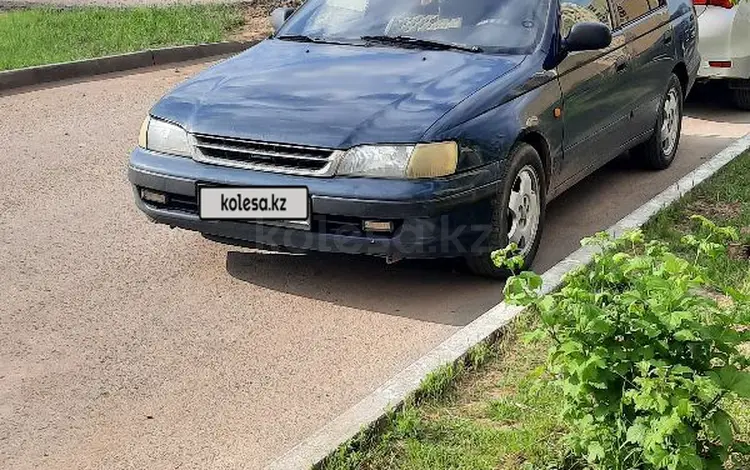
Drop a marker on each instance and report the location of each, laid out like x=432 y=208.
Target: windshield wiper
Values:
x=299 y=38
x=421 y=43
x=310 y=39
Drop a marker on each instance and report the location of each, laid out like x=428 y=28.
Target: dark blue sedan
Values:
x=416 y=128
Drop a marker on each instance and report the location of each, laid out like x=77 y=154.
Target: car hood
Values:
x=333 y=96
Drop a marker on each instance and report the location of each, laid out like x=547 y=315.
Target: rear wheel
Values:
x=659 y=150
x=518 y=212
x=741 y=97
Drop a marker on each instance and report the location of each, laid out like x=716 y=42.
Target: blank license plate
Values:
x=280 y=204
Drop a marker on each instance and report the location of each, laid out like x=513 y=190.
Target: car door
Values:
x=595 y=107
x=648 y=32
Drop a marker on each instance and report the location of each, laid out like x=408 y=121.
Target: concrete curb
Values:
x=116 y=63
x=392 y=394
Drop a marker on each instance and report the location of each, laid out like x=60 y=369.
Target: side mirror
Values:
x=588 y=37
x=279 y=17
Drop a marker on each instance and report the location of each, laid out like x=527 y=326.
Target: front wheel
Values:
x=658 y=152
x=518 y=212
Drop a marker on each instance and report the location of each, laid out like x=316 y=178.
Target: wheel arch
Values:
x=539 y=143
x=682 y=73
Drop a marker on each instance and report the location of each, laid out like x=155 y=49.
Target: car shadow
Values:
x=437 y=291
x=434 y=291
x=710 y=101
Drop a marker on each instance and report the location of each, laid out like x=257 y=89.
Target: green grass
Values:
x=40 y=36
x=497 y=411
x=725 y=199
x=491 y=413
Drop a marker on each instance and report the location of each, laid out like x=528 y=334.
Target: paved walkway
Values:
x=128 y=345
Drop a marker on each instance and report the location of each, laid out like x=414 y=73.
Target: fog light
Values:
x=377 y=226
x=153 y=196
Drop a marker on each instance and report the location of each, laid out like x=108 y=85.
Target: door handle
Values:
x=621 y=65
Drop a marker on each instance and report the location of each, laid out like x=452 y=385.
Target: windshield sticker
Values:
x=418 y=23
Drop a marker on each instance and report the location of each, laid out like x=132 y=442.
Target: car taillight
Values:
x=715 y=3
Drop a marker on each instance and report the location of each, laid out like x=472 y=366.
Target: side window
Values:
x=578 y=11
x=631 y=10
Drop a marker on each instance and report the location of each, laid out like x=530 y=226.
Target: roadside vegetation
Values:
x=640 y=362
x=37 y=36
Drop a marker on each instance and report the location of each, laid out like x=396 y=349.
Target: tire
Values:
x=656 y=153
x=741 y=97
x=525 y=165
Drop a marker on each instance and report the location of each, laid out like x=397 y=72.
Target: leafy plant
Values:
x=643 y=354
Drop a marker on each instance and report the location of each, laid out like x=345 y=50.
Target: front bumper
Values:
x=447 y=217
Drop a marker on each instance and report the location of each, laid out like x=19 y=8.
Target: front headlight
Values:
x=161 y=136
x=400 y=161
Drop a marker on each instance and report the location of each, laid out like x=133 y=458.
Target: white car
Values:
x=725 y=45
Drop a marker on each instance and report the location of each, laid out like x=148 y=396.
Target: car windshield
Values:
x=489 y=25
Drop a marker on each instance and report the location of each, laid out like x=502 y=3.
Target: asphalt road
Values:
x=129 y=345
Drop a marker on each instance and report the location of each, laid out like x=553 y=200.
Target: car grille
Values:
x=280 y=158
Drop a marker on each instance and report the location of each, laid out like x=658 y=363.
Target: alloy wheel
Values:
x=670 y=122
x=524 y=210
